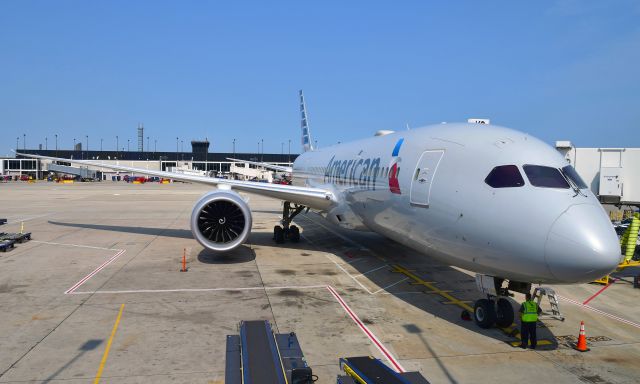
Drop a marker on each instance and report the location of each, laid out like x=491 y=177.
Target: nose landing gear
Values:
x=288 y=231
x=496 y=309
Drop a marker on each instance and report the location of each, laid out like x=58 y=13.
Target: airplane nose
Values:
x=582 y=245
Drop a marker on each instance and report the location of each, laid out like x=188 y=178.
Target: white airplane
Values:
x=485 y=198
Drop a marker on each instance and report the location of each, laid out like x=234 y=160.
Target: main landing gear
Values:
x=496 y=308
x=288 y=231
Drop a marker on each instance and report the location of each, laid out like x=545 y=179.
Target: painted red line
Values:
x=599 y=292
x=620 y=319
x=94 y=272
x=366 y=330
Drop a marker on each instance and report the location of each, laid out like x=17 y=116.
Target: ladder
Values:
x=555 y=313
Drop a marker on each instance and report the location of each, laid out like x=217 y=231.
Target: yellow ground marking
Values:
x=510 y=331
x=106 y=351
x=429 y=284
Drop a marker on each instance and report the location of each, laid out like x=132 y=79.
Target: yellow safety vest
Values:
x=530 y=313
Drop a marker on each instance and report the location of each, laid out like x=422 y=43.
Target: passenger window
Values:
x=572 y=175
x=415 y=177
x=505 y=176
x=545 y=177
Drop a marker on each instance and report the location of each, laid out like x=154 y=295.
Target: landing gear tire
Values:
x=294 y=234
x=278 y=234
x=484 y=314
x=504 y=313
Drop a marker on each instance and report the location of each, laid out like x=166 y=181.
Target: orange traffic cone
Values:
x=582 y=339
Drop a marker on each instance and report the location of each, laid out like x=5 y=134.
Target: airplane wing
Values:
x=316 y=198
x=264 y=165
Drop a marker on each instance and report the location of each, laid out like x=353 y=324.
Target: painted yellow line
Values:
x=106 y=351
x=429 y=284
x=509 y=331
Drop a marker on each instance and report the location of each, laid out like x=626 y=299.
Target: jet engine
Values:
x=221 y=221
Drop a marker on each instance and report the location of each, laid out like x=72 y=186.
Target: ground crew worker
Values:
x=529 y=317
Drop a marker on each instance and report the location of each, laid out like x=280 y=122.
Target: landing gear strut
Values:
x=288 y=231
x=496 y=308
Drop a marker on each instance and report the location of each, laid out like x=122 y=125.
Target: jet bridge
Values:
x=611 y=173
x=83 y=172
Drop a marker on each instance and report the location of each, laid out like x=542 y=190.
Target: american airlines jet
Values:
x=485 y=198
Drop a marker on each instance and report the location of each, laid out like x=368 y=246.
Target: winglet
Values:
x=306 y=134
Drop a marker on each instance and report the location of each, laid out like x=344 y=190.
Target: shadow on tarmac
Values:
x=177 y=233
x=240 y=255
x=461 y=285
x=84 y=348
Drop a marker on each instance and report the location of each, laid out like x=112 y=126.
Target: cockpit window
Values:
x=545 y=177
x=505 y=176
x=572 y=175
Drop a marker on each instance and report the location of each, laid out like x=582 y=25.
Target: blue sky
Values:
x=223 y=70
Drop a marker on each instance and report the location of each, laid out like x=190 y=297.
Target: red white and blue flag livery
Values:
x=394 y=184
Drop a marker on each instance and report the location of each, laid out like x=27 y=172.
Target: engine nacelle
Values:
x=221 y=221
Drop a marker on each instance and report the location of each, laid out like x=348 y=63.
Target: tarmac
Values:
x=98 y=296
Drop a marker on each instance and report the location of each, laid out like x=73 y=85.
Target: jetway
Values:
x=83 y=172
x=611 y=173
x=244 y=171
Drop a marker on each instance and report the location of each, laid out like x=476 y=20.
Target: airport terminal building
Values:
x=198 y=161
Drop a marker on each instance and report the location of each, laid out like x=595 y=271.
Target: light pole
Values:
x=234 y=148
x=17 y=143
x=74 y=144
x=155 y=145
x=148 y=149
x=46 y=144
x=177 y=158
x=24 y=141
x=87 y=150
x=117 y=144
x=128 y=145
x=289 y=150
x=282 y=148
x=56 y=144
x=101 y=144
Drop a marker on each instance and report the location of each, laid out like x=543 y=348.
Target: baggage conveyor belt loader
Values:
x=258 y=356
x=368 y=370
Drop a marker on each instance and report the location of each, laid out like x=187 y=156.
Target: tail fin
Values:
x=306 y=135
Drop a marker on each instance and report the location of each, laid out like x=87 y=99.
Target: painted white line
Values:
x=348 y=274
x=366 y=330
x=370 y=335
x=373 y=270
x=348 y=240
x=26 y=218
x=354 y=277
x=94 y=272
x=620 y=319
x=391 y=285
x=404 y=293
x=199 y=290
x=75 y=245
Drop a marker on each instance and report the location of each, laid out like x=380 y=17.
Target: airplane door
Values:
x=423 y=177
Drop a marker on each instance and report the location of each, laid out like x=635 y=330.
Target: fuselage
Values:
x=481 y=197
